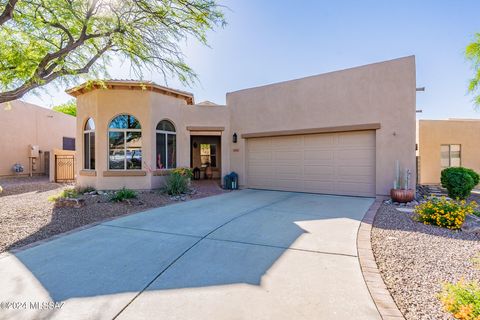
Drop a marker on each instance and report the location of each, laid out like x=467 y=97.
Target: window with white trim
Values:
x=124 y=143
x=89 y=145
x=166 y=145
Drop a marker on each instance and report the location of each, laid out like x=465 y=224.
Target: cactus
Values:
x=402 y=181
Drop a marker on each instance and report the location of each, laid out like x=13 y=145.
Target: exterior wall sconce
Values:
x=195 y=145
x=234 y=138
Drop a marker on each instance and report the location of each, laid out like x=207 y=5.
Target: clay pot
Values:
x=209 y=172
x=402 y=196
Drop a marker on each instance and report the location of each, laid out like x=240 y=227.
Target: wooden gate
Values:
x=64 y=168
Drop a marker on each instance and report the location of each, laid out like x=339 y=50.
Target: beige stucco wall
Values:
x=433 y=133
x=149 y=108
x=381 y=93
x=23 y=124
x=378 y=93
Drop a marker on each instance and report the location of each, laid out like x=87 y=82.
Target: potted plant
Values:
x=401 y=192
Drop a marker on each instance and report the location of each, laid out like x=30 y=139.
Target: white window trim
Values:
x=166 y=133
x=89 y=131
x=89 y=149
x=124 y=148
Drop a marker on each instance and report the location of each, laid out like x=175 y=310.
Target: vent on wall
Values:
x=68 y=143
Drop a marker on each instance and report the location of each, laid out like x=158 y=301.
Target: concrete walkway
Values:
x=243 y=255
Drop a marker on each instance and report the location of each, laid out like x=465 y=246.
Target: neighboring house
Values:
x=23 y=126
x=335 y=133
x=447 y=143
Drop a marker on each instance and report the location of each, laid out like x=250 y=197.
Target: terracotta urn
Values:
x=402 y=195
x=209 y=172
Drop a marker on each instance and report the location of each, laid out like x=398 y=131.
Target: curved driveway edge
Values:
x=384 y=302
x=251 y=254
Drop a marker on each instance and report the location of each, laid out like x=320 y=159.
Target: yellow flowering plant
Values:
x=443 y=212
x=183 y=171
x=461 y=299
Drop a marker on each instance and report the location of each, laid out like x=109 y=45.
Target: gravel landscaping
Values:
x=415 y=259
x=27 y=216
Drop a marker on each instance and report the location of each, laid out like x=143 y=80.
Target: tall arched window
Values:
x=166 y=145
x=125 y=143
x=89 y=145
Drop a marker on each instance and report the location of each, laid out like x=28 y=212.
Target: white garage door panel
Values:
x=335 y=163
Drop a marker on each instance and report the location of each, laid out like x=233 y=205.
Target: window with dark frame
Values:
x=450 y=155
x=208 y=155
x=89 y=145
x=125 y=143
x=68 y=143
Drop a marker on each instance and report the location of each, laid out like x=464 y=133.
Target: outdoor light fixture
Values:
x=234 y=138
x=420 y=89
x=195 y=145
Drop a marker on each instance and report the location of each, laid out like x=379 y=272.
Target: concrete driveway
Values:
x=243 y=255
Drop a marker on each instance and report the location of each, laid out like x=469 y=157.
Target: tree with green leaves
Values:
x=69 y=107
x=44 y=41
x=473 y=54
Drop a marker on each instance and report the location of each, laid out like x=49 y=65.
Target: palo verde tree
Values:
x=45 y=41
x=69 y=107
x=473 y=54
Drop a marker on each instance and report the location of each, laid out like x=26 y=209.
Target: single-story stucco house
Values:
x=30 y=137
x=334 y=133
x=447 y=143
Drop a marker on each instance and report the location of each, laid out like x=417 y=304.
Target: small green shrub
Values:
x=444 y=213
x=459 y=181
x=122 y=195
x=462 y=299
x=176 y=184
x=66 y=193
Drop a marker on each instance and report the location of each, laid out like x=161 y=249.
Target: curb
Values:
x=384 y=302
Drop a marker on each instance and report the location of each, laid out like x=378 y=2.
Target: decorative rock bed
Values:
x=70 y=202
x=415 y=259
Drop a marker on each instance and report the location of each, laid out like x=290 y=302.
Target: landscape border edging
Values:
x=382 y=298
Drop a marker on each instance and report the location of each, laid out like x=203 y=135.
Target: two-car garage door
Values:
x=334 y=163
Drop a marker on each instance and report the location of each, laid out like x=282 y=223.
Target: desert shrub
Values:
x=459 y=181
x=65 y=193
x=185 y=172
x=462 y=299
x=444 y=213
x=176 y=184
x=122 y=195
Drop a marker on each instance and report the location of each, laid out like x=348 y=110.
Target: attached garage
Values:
x=333 y=163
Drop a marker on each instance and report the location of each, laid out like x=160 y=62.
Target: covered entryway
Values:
x=333 y=163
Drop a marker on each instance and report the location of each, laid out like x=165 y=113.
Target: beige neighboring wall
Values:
x=23 y=124
x=382 y=93
x=434 y=133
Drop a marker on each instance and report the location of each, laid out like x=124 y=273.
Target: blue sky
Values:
x=271 y=41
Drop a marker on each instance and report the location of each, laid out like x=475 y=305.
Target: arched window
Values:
x=124 y=143
x=166 y=145
x=89 y=145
